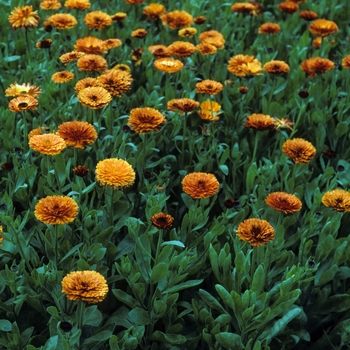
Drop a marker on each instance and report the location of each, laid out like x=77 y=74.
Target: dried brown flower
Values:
x=97 y=20
x=242 y=65
x=92 y=63
x=184 y=105
x=323 y=27
x=168 y=65
x=210 y=87
x=71 y=56
x=154 y=11
x=61 y=21
x=177 y=19
x=49 y=144
x=282 y=201
x=81 y=170
x=23 y=90
x=308 y=15
x=94 y=97
x=276 y=67
x=78 y=134
x=62 y=77
x=181 y=49
x=24 y=17
x=90 y=45
x=7 y=166
x=162 y=221
x=299 y=150
x=23 y=103
x=243 y=89
x=146 y=119
x=316 y=65
x=288 y=7
x=259 y=122
x=44 y=44
x=200 y=185
x=77 y=4
x=116 y=82
x=338 y=200
x=269 y=28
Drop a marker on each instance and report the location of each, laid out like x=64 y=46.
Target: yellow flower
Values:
x=338 y=200
x=49 y=144
x=24 y=17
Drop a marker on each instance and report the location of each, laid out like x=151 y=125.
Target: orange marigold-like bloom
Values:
x=120 y=67
x=90 y=45
x=89 y=286
x=346 y=62
x=323 y=27
x=81 y=170
x=116 y=173
x=94 y=97
x=288 y=7
x=111 y=43
x=184 y=105
x=282 y=201
x=146 y=119
x=316 y=65
x=97 y=20
x=78 y=134
x=159 y=51
x=44 y=44
x=116 y=82
x=177 y=19
x=187 y=32
x=23 y=103
x=168 y=65
x=56 y=210
x=212 y=37
x=23 y=90
x=259 y=122
x=276 y=67
x=308 y=15
x=50 y=144
x=210 y=87
x=92 y=63
x=77 y=4
x=200 y=185
x=71 y=56
x=24 y=17
x=50 y=5
x=85 y=83
x=199 y=20
x=338 y=200
x=206 y=49
x=242 y=65
x=316 y=43
x=154 y=11
x=133 y=2
x=181 y=49
x=269 y=28
x=62 y=77
x=61 y=21
x=243 y=7
x=38 y=131
x=162 y=221
x=299 y=150
x=139 y=33
x=256 y=231
x=209 y=111
x=119 y=16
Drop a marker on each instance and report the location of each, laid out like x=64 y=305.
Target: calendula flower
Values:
x=206 y=49
x=209 y=111
x=137 y=55
x=210 y=87
x=78 y=134
x=276 y=67
x=316 y=65
x=115 y=82
x=338 y=200
x=154 y=11
x=62 y=77
x=159 y=51
x=299 y=150
x=181 y=49
x=243 y=7
x=23 y=90
x=269 y=28
x=199 y=20
x=116 y=173
x=90 y=45
x=71 y=56
x=92 y=63
x=119 y=16
x=139 y=33
x=146 y=119
x=120 y=67
x=308 y=15
x=259 y=122
x=111 y=43
x=256 y=231
x=44 y=44
x=50 y=5
x=282 y=201
x=38 y=131
x=49 y=144
x=94 y=97
x=323 y=27
x=243 y=89
x=23 y=103
x=177 y=19
x=200 y=185
x=184 y=105
x=162 y=221
x=316 y=43
x=61 y=21
x=212 y=37
x=1 y=236
x=187 y=32
x=288 y=7
x=85 y=83
x=81 y=170
x=89 y=286
x=97 y=20
x=56 y=210
x=346 y=62
x=24 y=17
x=133 y=2
x=242 y=65
x=168 y=65
x=77 y=4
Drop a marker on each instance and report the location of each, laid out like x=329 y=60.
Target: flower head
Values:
x=288 y=7
x=184 y=105
x=62 y=77
x=119 y=16
x=210 y=87
x=38 y=131
x=162 y=221
x=71 y=56
x=81 y=170
x=23 y=90
x=177 y=19
x=116 y=82
x=56 y=210
x=200 y=185
x=114 y=172
x=139 y=33
x=23 y=103
x=49 y=144
x=85 y=83
x=92 y=63
x=77 y=4
x=323 y=27
x=242 y=65
x=308 y=15
x=44 y=44
x=299 y=150
x=316 y=65
x=24 y=17
x=78 y=134
x=256 y=231
x=282 y=201
x=181 y=49
x=168 y=65
x=97 y=20
x=91 y=45
x=89 y=286
x=243 y=7
x=159 y=51
x=154 y=11
x=276 y=67
x=111 y=43
x=61 y=21
x=212 y=37
x=1 y=236
x=95 y=97
x=338 y=200
x=199 y=20
x=259 y=122
x=187 y=32
x=206 y=49
x=209 y=111
x=144 y=120
x=269 y=28
x=50 y=4
x=346 y=62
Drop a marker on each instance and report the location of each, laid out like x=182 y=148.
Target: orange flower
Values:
x=139 y=33
x=23 y=90
x=243 y=7
x=206 y=49
x=184 y=105
x=212 y=37
x=90 y=45
x=210 y=87
x=116 y=173
x=56 y=210
x=62 y=77
x=89 y=286
x=199 y=20
x=38 y=131
x=159 y=51
x=24 y=17
x=346 y=62
x=288 y=7
x=316 y=65
x=209 y=111
x=77 y=134
x=282 y=201
x=133 y=2
x=338 y=200
x=1 y=236
x=81 y=170
x=49 y=144
x=162 y=221
x=116 y=82
x=259 y=122
x=122 y=68
x=61 y=21
x=168 y=65
x=200 y=185
x=85 y=83
x=23 y=103
x=50 y=5
x=177 y=19
x=276 y=67
x=154 y=11
x=92 y=63
x=317 y=42
x=71 y=56
x=323 y=27
x=94 y=97
x=111 y=43
x=119 y=16
x=44 y=44
x=144 y=120
x=269 y=28
x=97 y=20
x=308 y=15
x=181 y=49
x=299 y=150
x=77 y=4
x=187 y=32
x=256 y=231
x=242 y=65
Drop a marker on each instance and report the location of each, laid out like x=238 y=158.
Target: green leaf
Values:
x=335 y=303
x=173 y=339
x=139 y=316
x=159 y=272
x=98 y=338
x=125 y=298
x=258 y=280
x=224 y=169
x=175 y=243
x=5 y=326
x=51 y=344
x=92 y=316
x=229 y=340
x=184 y=285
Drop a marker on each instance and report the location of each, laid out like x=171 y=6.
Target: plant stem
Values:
x=184 y=132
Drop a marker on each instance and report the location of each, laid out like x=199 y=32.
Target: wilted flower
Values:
x=23 y=103
x=242 y=65
x=61 y=21
x=212 y=37
x=338 y=200
x=256 y=231
x=168 y=65
x=62 y=77
x=210 y=87
x=7 y=166
x=78 y=134
x=200 y=185
x=44 y=44
x=116 y=173
x=154 y=11
x=162 y=221
x=50 y=4
x=81 y=170
x=288 y=7
x=71 y=56
x=276 y=67
x=116 y=82
x=177 y=19
x=90 y=45
x=269 y=28
x=181 y=49
x=187 y=32
x=92 y=63
x=23 y=90
x=56 y=210
x=308 y=15
x=282 y=201
x=323 y=27
x=77 y=4
x=159 y=51
x=206 y=49
x=209 y=111
x=184 y=105
x=24 y=17
x=299 y=150
x=139 y=33
x=259 y=122
x=346 y=62
x=97 y=20
x=243 y=89
x=316 y=65
x=144 y=120
x=89 y=286
x=49 y=144
x=95 y=97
